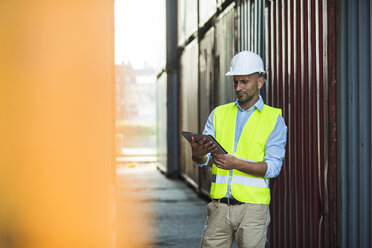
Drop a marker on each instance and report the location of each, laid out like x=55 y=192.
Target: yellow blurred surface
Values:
x=57 y=131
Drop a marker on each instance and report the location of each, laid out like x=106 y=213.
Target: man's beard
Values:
x=245 y=97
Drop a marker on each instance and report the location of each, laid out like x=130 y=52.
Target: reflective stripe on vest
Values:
x=248 y=181
x=219 y=178
x=251 y=147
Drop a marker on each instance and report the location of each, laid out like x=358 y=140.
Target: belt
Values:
x=229 y=201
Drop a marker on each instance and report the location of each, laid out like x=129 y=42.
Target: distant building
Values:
x=135 y=93
x=124 y=77
x=135 y=107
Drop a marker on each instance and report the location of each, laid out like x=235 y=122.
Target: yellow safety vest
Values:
x=251 y=147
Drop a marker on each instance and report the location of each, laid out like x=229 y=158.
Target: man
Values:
x=254 y=135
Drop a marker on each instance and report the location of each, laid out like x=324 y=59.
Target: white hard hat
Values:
x=245 y=63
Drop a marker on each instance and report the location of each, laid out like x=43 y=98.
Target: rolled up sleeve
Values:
x=275 y=148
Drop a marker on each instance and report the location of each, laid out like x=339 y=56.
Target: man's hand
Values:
x=225 y=161
x=229 y=162
x=200 y=149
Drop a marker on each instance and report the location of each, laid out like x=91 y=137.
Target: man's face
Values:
x=247 y=86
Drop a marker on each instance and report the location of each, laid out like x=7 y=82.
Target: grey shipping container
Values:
x=354 y=122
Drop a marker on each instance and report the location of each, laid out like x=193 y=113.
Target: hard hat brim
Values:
x=230 y=73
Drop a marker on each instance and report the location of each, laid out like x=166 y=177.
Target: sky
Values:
x=140 y=32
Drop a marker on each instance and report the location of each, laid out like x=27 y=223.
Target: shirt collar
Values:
x=258 y=105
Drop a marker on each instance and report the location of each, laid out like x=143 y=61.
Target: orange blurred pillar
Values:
x=57 y=164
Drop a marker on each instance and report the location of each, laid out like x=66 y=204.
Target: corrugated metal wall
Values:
x=189 y=113
x=252 y=30
x=206 y=95
x=297 y=83
x=252 y=26
x=206 y=78
x=207 y=8
x=225 y=50
x=219 y=2
x=354 y=122
x=187 y=19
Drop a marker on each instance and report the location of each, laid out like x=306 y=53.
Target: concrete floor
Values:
x=172 y=211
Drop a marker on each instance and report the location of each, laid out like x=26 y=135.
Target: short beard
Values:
x=247 y=99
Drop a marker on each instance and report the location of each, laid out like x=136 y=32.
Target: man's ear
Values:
x=261 y=82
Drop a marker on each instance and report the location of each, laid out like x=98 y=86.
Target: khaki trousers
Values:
x=246 y=223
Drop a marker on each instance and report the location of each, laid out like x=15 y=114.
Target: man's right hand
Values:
x=200 y=149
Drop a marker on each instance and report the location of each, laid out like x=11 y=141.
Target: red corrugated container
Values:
x=298 y=83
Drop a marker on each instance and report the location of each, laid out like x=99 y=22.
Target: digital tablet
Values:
x=198 y=137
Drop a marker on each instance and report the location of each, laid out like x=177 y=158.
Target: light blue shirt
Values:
x=275 y=145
